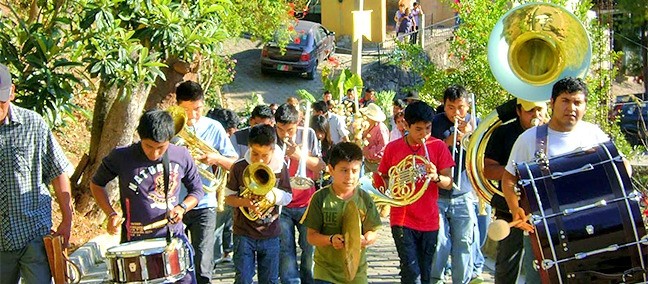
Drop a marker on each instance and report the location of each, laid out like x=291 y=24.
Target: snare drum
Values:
x=588 y=226
x=150 y=261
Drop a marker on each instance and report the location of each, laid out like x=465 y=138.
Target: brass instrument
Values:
x=531 y=47
x=300 y=181
x=197 y=148
x=258 y=179
x=351 y=232
x=401 y=189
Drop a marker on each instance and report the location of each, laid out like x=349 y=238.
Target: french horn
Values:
x=530 y=48
x=198 y=148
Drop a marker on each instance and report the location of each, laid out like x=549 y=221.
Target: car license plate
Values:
x=282 y=67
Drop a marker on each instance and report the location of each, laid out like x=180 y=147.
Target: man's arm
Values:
x=508 y=188
x=63 y=193
x=492 y=169
x=100 y=195
x=319 y=240
x=445 y=179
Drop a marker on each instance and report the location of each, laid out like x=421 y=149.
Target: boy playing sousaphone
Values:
x=336 y=207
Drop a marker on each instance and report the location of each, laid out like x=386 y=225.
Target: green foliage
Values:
x=43 y=62
x=338 y=85
x=470 y=67
x=385 y=100
x=305 y=95
x=216 y=73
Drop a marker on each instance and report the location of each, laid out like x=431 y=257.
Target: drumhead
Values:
x=143 y=247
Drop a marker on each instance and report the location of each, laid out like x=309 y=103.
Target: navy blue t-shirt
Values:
x=141 y=187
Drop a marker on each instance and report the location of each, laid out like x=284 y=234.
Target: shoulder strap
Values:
x=165 y=165
x=541 y=141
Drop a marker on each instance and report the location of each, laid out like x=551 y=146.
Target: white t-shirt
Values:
x=337 y=127
x=583 y=135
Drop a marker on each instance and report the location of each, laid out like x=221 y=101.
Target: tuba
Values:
x=531 y=47
x=197 y=148
x=258 y=179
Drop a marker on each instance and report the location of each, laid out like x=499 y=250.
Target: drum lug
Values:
x=144 y=266
x=121 y=268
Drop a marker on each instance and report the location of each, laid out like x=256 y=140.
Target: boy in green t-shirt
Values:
x=324 y=217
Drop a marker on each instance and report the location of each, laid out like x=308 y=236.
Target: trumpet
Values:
x=198 y=148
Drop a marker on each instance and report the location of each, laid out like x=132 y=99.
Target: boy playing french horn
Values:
x=415 y=226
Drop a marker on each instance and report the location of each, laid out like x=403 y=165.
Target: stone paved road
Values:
x=382 y=259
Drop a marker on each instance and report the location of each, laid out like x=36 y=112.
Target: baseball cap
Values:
x=527 y=105
x=5 y=83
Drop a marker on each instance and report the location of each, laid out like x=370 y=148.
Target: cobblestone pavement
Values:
x=381 y=257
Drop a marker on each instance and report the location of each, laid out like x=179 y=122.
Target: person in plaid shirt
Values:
x=30 y=159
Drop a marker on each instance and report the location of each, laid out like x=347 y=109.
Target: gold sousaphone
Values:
x=531 y=47
x=197 y=148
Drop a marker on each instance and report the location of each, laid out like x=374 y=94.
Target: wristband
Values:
x=331 y=239
x=183 y=206
x=438 y=179
x=112 y=214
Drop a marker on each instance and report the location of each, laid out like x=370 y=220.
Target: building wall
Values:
x=337 y=17
x=436 y=11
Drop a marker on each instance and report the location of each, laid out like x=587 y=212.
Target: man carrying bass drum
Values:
x=510 y=249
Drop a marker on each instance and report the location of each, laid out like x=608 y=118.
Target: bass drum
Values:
x=588 y=225
x=148 y=261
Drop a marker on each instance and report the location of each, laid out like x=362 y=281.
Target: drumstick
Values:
x=156 y=225
x=500 y=229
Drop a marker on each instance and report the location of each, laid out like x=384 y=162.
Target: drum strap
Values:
x=543 y=161
x=165 y=165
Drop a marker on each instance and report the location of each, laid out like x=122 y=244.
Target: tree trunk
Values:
x=115 y=119
x=162 y=94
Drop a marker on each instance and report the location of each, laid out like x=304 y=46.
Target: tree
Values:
x=634 y=26
x=132 y=52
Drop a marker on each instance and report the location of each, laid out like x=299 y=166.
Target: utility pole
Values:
x=361 y=27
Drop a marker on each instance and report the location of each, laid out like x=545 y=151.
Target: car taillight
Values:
x=304 y=57
x=264 y=53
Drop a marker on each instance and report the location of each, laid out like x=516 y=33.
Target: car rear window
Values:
x=300 y=40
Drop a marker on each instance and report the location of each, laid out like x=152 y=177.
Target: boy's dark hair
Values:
x=369 y=90
x=157 y=125
x=263 y=135
x=321 y=106
x=189 y=91
x=319 y=123
x=262 y=111
x=227 y=118
x=344 y=152
x=455 y=92
x=399 y=103
x=326 y=92
x=418 y=111
x=569 y=85
x=286 y=113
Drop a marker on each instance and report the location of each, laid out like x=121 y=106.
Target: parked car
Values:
x=632 y=113
x=313 y=44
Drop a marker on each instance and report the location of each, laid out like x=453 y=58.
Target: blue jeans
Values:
x=266 y=253
x=288 y=270
x=480 y=237
x=456 y=236
x=223 y=238
x=29 y=262
x=416 y=252
x=201 y=224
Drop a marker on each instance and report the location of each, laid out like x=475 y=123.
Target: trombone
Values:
x=300 y=181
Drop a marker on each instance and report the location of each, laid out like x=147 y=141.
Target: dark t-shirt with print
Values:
x=141 y=187
x=258 y=229
x=499 y=148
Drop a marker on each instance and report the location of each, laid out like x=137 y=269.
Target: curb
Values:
x=92 y=253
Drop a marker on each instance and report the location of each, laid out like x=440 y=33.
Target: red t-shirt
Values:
x=422 y=215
